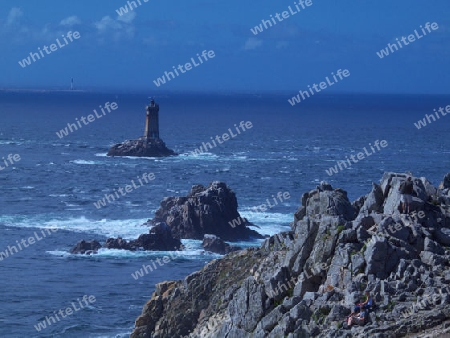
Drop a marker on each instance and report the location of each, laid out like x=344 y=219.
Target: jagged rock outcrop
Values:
x=159 y=238
x=326 y=201
x=214 y=244
x=445 y=184
x=141 y=148
x=303 y=283
x=86 y=248
x=117 y=243
x=205 y=210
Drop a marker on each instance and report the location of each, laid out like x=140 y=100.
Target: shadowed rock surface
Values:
x=86 y=248
x=141 y=148
x=205 y=210
x=303 y=283
x=213 y=243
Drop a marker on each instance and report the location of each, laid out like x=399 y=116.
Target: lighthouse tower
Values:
x=152 y=122
x=149 y=145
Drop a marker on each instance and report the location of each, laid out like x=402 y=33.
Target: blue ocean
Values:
x=57 y=181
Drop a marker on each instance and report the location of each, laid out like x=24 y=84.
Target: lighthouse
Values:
x=149 y=145
x=152 y=121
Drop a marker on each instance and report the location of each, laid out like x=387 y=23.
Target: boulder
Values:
x=86 y=248
x=141 y=148
x=445 y=184
x=117 y=243
x=325 y=201
x=214 y=244
x=159 y=238
x=205 y=210
x=374 y=201
x=431 y=191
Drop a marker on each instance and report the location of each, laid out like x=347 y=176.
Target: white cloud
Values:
x=118 y=29
x=107 y=24
x=20 y=33
x=253 y=43
x=127 y=18
x=70 y=21
x=14 y=15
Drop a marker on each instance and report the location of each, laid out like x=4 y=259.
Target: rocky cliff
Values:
x=303 y=283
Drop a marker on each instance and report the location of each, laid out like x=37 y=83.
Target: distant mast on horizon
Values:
x=71 y=84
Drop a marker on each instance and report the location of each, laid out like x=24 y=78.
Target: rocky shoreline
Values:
x=204 y=214
x=303 y=283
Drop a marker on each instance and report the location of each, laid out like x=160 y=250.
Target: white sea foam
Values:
x=270 y=223
x=116 y=253
x=18 y=143
x=193 y=250
x=84 y=162
x=127 y=229
x=202 y=157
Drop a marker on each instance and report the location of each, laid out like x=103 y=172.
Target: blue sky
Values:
x=131 y=51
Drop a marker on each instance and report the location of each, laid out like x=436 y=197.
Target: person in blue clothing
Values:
x=367 y=304
x=359 y=319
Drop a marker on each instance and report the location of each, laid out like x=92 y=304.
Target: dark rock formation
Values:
x=141 y=148
x=117 y=243
x=205 y=211
x=303 y=283
x=159 y=238
x=213 y=243
x=86 y=248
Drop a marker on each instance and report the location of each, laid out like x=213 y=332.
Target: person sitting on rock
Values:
x=359 y=319
x=366 y=305
x=406 y=190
